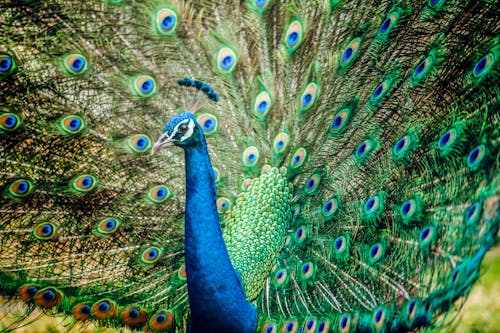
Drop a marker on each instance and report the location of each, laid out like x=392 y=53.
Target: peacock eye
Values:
x=183 y=128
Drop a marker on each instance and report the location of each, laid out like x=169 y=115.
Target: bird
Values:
x=247 y=166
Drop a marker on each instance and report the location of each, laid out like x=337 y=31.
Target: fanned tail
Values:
x=383 y=118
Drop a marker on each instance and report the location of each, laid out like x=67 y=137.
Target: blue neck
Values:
x=216 y=296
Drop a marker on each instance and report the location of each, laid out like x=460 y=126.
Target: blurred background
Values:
x=481 y=313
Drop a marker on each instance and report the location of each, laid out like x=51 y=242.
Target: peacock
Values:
x=247 y=166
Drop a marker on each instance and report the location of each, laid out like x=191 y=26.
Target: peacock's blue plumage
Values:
x=216 y=295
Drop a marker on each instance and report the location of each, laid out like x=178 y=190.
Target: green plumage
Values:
x=355 y=147
x=256 y=228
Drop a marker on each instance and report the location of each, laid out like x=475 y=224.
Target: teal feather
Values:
x=355 y=153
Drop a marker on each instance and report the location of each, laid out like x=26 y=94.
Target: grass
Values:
x=481 y=313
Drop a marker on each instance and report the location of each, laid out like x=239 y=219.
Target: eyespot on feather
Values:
x=108 y=226
x=269 y=327
x=344 y=325
x=5 y=64
x=104 y=309
x=473 y=213
x=310 y=325
x=82 y=311
x=484 y=65
x=388 y=24
x=476 y=157
x=290 y=326
x=341 y=248
x=8 y=65
x=250 y=156
x=134 y=316
x=410 y=310
x=208 y=123
x=159 y=194
x=280 y=142
x=298 y=158
x=309 y=96
x=161 y=321
x=45 y=231
x=379 y=319
x=402 y=146
x=246 y=184
x=266 y=168
x=223 y=205
x=21 y=188
x=375 y=253
x=408 y=209
x=166 y=21
x=84 y=183
x=72 y=124
x=329 y=208
x=373 y=206
x=143 y=86
x=339 y=122
x=447 y=139
x=151 y=255
x=456 y=276
x=48 y=298
x=350 y=53
x=381 y=91
x=75 y=64
x=323 y=326
x=10 y=122
x=307 y=270
x=426 y=237
x=294 y=36
x=365 y=148
x=423 y=68
x=281 y=277
x=428 y=310
x=312 y=184
x=295 y=211
x=139 y=143
x=259 y=6
x=262 y=104
x=28 y=291
x=340 y=243
x=227 y=60
x=300 y=235
x=216 y=175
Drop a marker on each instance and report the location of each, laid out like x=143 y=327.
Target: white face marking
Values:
x=190 y=129
x=168 y=140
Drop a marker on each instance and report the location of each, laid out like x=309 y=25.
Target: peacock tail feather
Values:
x=355 y=146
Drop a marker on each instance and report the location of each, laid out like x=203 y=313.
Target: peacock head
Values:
x=181 y=130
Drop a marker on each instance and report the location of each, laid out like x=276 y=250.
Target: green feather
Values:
x=355 y=151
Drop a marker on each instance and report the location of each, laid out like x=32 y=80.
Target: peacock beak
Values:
x=164 y=141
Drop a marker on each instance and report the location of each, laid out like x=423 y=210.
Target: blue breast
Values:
x=216 y=295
